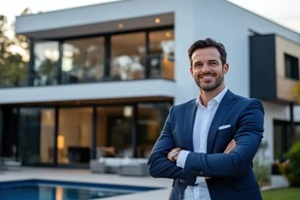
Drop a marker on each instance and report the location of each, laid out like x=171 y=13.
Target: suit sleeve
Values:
x=248 y=137
x=159 y=164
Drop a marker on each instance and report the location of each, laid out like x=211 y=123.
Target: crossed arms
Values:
x=174 y=153
x=230 y=162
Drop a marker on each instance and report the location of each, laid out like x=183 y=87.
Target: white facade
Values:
x=192 y=20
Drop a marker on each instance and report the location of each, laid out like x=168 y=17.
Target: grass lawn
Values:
x=282 y=194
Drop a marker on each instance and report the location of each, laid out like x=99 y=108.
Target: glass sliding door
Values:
x=120 y=131
x=74 y=135
x=29 y=136
x=36 y=136
x=9 y=132
x=121 y=134
x=151 y=118
x=47 y=121
x=114 y=131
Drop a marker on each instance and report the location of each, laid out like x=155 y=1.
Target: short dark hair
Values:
x=208 y=42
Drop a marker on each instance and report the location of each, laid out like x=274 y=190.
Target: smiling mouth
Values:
x=207 y=76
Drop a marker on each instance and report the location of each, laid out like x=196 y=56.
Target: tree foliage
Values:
x=13 y=64
x=293 y=168
x=296 y=91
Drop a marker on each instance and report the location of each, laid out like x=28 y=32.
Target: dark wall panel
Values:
x=263 y=67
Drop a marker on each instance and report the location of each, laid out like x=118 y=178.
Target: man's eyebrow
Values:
x=213 y=60
x=197 y=62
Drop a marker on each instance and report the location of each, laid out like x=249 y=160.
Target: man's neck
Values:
x=206 y=96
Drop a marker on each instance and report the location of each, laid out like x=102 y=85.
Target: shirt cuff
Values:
x=182 y=158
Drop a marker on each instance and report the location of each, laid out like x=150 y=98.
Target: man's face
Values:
x=207 y=69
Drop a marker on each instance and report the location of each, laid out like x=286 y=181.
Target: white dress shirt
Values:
x=203 y=119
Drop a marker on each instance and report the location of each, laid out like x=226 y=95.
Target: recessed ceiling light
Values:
x=157 y=20
x=120 y=25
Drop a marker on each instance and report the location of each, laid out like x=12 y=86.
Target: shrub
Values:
x=262 y=173
x=261 y=166
x=293 y=168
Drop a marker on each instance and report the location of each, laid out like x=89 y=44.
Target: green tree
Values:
x=4 y=40
x=21 y=40
x=13 y=64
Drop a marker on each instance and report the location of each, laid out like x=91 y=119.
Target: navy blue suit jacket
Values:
x=231 y=175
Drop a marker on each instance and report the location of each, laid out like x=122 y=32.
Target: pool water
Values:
x=63 y=190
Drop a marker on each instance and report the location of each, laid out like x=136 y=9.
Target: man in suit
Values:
x=207 y=144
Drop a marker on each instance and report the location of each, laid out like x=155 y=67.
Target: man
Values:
x=207 y=144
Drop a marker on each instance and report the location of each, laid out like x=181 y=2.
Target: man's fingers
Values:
x=173 y=153
x=230 y=146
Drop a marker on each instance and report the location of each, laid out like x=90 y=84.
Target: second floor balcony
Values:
x=116 y=57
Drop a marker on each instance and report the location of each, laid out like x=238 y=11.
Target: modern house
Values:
x=101 y=78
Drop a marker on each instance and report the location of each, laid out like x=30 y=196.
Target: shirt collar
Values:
x=216 y=99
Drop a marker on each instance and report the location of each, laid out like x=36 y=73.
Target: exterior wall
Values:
x=297 y=113
x=186 y=32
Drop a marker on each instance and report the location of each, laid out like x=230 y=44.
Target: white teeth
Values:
x=207 y=76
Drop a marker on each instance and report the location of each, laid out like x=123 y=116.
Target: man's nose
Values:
x=205 y=67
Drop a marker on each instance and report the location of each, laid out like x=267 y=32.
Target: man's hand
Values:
x=228 y=149
x=230 y=146
x=173 y=154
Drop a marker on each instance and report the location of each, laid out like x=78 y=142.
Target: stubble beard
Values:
x=210 y=86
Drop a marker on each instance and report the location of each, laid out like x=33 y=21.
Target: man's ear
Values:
x=226 y=68
x=191 y=70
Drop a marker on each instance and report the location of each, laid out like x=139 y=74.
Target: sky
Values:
x=283 y=12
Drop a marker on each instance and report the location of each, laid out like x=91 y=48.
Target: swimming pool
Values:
x=36 y=189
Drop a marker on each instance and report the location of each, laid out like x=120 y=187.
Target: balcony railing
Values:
x=120 y=68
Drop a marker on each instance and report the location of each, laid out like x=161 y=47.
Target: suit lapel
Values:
x=189 y=125
x=226 y=103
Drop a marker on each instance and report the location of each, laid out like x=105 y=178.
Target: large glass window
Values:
x=162 y=47
x=128 y=56
x=138 y=55
x=83 y=60
x=46 y=56
x=74 y=135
